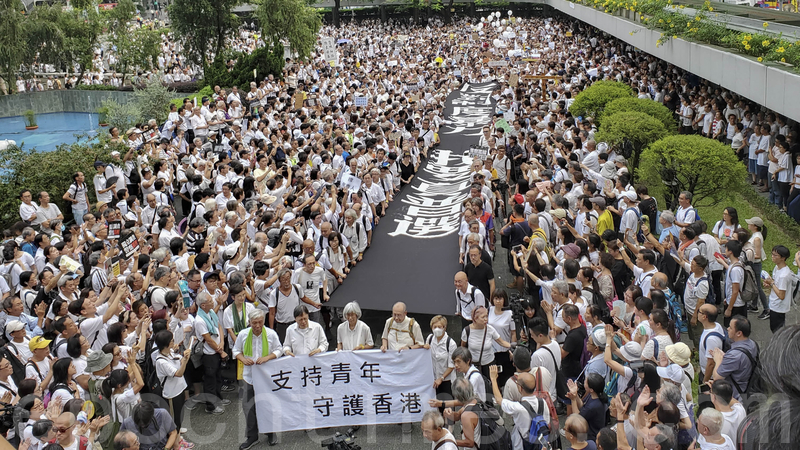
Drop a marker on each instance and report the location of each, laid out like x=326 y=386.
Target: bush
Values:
x=265 y=61
x=705 y=167
x=592 y=100
x=121 y=116
x=649 y=107
x=184 y=86
x=153 y=101
x=628 y=133
x=96 y=87
x=46 y=171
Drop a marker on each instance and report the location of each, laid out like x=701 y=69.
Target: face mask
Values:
x=438 y=332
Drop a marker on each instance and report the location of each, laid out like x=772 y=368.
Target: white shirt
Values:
x=350 y=339
x=705 y=445
x=441 y=351
x=781 y=279
x=466 y=302
x=504 y=325
x=166 y=368
x=302 y=342
x=273 y=341
x=708 y=343
x=543 y=358
x=200 y=328
x=522 y=418
x=732 y=421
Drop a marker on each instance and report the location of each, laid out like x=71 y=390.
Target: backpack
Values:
x=148 y=295
x=5 y=272
x=539 y=431
x=749 y=289
x=639 y=235
x=561 y=381
x=493 y=436
x=16 y=363
x=487 y=385
x=711 y=297
x=726 y=343
x=544 y=394
x=49 y=394
x=794 y=289
x=152 y=379
x=598 y=299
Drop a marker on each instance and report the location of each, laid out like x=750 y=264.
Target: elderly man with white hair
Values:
x=255 y=345
x=401 y=332
x=353 y=334
x=208 y=329
x=709 y=426
x=355 y=231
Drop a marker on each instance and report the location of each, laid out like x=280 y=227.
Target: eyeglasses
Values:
x=62 y=430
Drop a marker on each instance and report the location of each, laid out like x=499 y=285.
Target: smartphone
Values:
x=183 y=286
x=192 y=341
x=718 y=255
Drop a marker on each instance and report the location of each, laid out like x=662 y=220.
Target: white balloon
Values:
x=508 y=29
x=497 y=14
x=503 y=22
x=497 y=43
x=483 y=19
x=509 y=13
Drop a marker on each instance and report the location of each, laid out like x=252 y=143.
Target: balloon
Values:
x=503 y=22
x=497 y=43
x=509 y=13
x=508 y=29
x=483 y=19
x=497 y=14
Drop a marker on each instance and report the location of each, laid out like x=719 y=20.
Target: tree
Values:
x=203 y=26
x=291 y=20
x=13 y=43
x=629 y=133
x=649 y=107
x=592 y=100
x=152 y=101
x=705 y=167
x=122 y=116
x=139 y=48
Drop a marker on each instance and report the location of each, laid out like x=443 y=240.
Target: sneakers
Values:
x=228 y=388
x=183 y=430
x=216 y=411
x=764 y=315
x=248 y=444
x=752 y=308
x=184 y=444
x=224 y=402
x=190 y=404
x=272 y=438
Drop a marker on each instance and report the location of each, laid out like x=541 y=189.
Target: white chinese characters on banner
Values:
x=342 y=389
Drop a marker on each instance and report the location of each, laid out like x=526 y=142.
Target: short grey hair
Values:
x=561 y=286
x=539 y=244
x=94 y=258
x=256 y=314
x=202 y=298
x=687 y=194
x=197 y=221
x=351 y=213
x=353 y=308
x=533 y=219
x=474 y=237
x=230 y=215
x=668 y=216
x=161 y=272
x=462 y=390
x=435 y=417
x=670 y=393
x=236 y=277
x=712 y=419
x=160 y=255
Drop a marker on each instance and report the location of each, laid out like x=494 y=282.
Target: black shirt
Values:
x=479 y=277
x=573 y=345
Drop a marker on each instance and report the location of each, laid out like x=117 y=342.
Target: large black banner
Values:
x=414 y=252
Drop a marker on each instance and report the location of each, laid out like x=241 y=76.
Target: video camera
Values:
x=517 y=304
x=341 y=441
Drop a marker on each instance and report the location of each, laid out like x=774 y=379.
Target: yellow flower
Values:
x=783 y=60
x=765 y=43
x=681 y=7
x=697 y=18
x=747 y=47
x=688 y=24
x=660 y=20
x=710 y=8
x=674 y=37
x=631 y=33
x=766 y=24
x=672 y=26
x=780 y=50
x=760 y=59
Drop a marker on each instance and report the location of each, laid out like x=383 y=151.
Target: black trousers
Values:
x=212 y=380
x=176 y=407
x=776 y=320
x=281 y=328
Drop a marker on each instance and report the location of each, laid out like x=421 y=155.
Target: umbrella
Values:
x=344 y=41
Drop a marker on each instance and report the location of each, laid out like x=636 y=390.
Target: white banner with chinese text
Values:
x=342 y=389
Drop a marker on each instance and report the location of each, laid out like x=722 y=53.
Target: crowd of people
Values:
x=226 y=229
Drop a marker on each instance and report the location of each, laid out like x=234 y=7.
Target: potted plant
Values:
x=102 y=116
x=30 y=120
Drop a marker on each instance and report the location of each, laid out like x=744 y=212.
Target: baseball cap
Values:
x=14 y=325
x=755 y=221
x=672 y=372
x=288 y=217
x=630 y=195
x=599 y=337
x=599 y=201
x=38 y=342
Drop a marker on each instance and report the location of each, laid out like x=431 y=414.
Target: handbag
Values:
x=505 y=240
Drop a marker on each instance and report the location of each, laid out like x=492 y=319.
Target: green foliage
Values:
x=203 y=26
x=705 y=167
x=264 y=61
x=153 y=101
x=121 y=116
x=139 y=48
x=118 y=17
x=45 y=171
x=30 y=118
x=96 y=87
x=13 y=44
x=291 y=20
x=592 y=100
x=649 y=107
x=636 y=129
x=207 y=91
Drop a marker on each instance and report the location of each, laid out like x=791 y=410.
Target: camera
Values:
x=341 y=441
